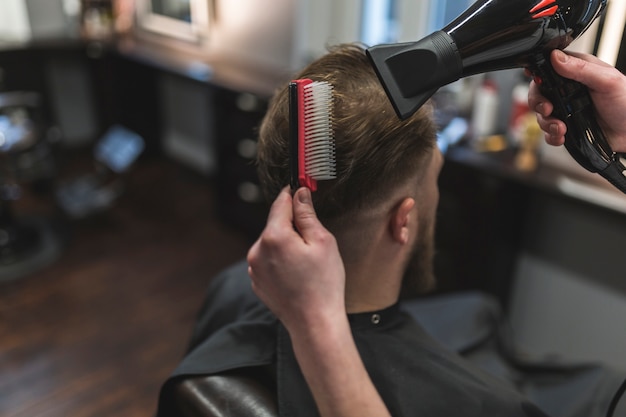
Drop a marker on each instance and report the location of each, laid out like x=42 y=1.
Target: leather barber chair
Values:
x=470 y=323
x=242 y=393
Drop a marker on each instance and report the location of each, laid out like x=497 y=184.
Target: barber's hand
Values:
x=295 y=265
x=607 y=87
x=297 y=271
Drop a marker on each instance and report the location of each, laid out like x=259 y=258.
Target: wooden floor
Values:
x=98 y=331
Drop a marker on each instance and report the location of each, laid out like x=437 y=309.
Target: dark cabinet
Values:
x=240 y=201
x=153 y=94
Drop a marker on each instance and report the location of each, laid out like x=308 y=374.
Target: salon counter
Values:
x=494 y=217
x=162 y=54
x=556 y=173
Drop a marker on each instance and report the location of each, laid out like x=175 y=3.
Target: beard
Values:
x=419 y=275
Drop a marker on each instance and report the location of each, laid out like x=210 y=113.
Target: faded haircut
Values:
x=376 y=151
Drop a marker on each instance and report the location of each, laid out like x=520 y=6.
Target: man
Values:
x=385 y=192
x=336 y=342
x=381 y=211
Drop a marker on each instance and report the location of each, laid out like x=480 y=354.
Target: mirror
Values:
x=176 y=9
x=182 y=19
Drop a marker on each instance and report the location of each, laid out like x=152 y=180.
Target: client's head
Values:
x=380 y=159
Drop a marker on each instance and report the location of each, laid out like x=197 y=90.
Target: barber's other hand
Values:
x=607 y=87
x=295 y=265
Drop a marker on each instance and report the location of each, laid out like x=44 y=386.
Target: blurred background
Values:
x=127 y=140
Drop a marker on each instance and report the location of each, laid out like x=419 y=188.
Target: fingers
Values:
x=305 y=218
x=281 y=212
x=279 y=234
x=587 y=57
x=279 y=225
x=283 y=259
x=584 y=68
x=555 y=139
x=554 y=128
x=538 y=102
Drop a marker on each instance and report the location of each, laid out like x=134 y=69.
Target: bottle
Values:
x=485 y=110
x=519 y=111
x=97 y=19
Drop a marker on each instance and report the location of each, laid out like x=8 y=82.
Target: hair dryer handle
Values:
x=584 y=140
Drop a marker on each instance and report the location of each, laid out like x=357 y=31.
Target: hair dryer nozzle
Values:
x=433 y=61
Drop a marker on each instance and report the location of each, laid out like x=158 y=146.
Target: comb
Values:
x=312 y=140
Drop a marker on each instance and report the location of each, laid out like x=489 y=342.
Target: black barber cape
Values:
x=414 y=374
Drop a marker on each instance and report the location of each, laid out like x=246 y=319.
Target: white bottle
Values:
x=485 y=110
x=519 y=110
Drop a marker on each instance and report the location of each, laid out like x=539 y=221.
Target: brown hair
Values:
x=376 y=151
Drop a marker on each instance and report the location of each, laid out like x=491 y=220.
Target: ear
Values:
x=400 y=222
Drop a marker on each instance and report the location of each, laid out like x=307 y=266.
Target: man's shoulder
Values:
x=229 y=298
x=233 y=328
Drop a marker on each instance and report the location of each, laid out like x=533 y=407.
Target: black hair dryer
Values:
x=494 y=35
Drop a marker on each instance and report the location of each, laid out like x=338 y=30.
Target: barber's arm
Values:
x=297 y=271
x=607 y=87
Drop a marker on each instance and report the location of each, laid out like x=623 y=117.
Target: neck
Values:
x=374 y=283
x=375 y=250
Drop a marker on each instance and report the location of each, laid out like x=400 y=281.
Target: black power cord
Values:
x=618 y=395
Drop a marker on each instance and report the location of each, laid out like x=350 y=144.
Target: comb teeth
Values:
x=319 y=143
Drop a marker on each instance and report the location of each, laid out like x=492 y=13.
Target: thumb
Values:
x=304 y=216
x=589 y=72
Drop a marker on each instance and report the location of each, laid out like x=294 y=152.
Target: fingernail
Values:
x=539 y=108
x=304 y=196
x=561 y=56
x=554 y=129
